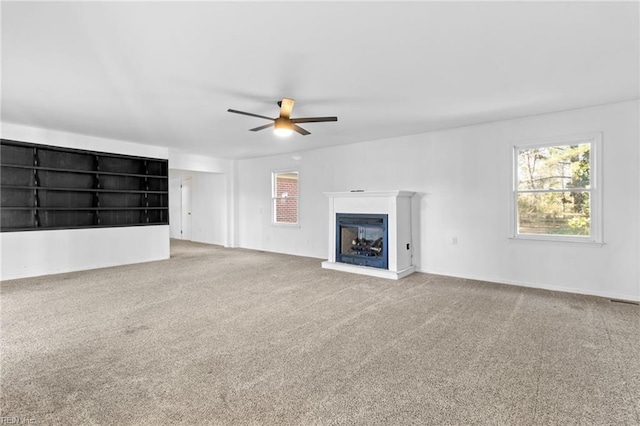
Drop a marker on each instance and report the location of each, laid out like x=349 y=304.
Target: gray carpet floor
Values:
x=234 y=337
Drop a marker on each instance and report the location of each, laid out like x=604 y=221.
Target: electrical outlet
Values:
x=408 y=247
x=454 y=241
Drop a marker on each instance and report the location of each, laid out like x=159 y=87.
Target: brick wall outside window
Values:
x=286 y=197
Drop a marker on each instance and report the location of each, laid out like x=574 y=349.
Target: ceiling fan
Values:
x=284 y=125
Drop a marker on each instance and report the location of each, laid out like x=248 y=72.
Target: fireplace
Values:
x=370 y=233
x=361 y=239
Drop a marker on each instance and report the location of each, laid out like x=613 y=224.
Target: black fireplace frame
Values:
x=358 y=219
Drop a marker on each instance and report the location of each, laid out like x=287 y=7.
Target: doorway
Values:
x=180 y=208
x=185 y=209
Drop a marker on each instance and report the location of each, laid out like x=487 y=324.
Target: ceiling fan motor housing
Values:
x=282 y=123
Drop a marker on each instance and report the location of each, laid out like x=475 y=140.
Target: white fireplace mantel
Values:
x=397 y=206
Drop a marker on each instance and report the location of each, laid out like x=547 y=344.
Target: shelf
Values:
x=22 y=229
x=115 y=191
x=84 y=208
x=88 y=172
x=30 y=145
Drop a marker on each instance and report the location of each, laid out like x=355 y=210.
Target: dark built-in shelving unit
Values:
x=46 y=187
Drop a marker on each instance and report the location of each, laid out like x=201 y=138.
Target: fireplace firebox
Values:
x=361 y=239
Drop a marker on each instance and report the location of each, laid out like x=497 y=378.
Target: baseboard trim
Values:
x=607 y=295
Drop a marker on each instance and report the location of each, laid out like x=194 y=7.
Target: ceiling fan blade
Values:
x=249 y=114
x=299 y=129
x=313 y=119
x=286 y=106
x=266 y=126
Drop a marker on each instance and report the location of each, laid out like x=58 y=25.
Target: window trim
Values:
x=595 y=190
x=274 y=173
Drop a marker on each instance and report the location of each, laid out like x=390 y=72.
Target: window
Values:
x=556 y=193
x=285 y=197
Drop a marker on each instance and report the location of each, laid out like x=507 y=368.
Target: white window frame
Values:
x=274 y=198
x=595 y=190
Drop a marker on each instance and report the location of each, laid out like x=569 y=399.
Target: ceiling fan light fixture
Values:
x=283 y=132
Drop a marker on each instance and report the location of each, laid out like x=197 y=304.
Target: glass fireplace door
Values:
x=362 y=239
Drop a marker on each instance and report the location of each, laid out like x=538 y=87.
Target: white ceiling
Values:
x=164 y=73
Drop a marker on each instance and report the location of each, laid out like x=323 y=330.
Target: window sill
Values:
x=557 y=240
x=285 y=225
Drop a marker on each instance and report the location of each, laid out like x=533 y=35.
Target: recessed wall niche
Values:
x=46 y=187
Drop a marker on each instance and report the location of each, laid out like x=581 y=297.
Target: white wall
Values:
x=462 y=177
x=72 y=140
x=208 y=205
x=180 y=160
x=33 y=253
